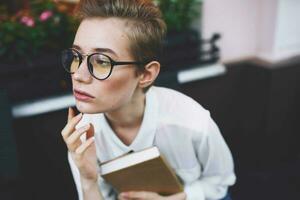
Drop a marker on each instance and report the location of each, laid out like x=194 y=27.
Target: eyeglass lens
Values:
x=99 y=64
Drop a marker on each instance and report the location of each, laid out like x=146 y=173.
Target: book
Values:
x=145 y=170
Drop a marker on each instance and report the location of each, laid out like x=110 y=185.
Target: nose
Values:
x=82 y=74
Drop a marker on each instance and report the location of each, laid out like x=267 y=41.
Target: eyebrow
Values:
x=99 y=50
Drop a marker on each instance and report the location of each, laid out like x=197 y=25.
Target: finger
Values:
x=71 y=114
x=85 y=145
x=122 y=198
x=180 y=195
x=90 y=132
x=74 y=140
x=77 y=133
x=70 y=127
x=72 y=148
x=140 y=195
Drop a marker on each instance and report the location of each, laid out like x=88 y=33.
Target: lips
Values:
x=82 y=96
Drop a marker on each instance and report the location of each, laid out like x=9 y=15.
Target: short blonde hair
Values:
x=146 y=28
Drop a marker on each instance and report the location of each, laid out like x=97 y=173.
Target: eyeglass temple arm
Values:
x=127 y=63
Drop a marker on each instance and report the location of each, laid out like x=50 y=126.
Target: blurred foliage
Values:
x=39 y=29
x=179 y=14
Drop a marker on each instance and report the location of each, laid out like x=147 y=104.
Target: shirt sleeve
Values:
x=217 y=166
x=106 y=190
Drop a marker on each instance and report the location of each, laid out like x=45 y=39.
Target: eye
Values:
x=103 y=63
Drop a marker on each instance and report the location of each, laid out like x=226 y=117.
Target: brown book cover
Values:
x=145 y=170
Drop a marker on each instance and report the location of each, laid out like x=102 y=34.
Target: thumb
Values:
x=71 y=113
x=90 y=132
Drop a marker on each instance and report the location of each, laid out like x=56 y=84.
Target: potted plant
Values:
x=181 y=46
x=30 y=43
x=33 y=31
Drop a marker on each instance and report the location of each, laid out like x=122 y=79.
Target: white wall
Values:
x=269 y=29
x=266 y=26
x=236 y=20
x=287 y=38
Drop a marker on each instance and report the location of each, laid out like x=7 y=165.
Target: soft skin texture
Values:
x=118 y=90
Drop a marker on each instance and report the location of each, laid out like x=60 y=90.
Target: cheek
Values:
x=121 y=85
x=116 y=91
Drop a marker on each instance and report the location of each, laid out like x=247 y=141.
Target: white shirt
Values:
x=185 y=134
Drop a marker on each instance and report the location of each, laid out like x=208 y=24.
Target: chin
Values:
x=87 y=108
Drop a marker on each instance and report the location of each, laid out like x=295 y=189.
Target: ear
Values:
x=148 y=76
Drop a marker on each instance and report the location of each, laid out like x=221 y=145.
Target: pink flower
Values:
x=28 y=21
x=45 y=15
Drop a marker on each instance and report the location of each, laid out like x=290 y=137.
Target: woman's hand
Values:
x=132 y=195
x=83 y=153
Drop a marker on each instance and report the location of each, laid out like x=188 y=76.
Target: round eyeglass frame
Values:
x=90 y=67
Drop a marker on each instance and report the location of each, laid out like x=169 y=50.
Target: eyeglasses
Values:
x=100 y=65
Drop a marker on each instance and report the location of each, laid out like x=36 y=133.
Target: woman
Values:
x=113 y=63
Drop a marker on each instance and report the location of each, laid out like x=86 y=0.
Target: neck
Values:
x=130 y=115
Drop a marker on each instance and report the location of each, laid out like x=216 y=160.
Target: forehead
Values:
x=103 y=33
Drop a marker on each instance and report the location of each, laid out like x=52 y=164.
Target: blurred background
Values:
x=239 y=59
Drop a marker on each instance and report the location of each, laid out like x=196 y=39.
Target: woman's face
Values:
x=104 y=35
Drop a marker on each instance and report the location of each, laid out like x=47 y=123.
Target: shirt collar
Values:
x=146 y=133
